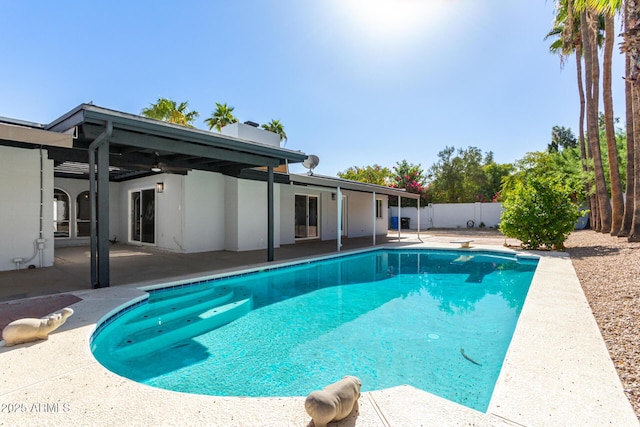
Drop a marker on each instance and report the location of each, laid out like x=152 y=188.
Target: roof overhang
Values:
x=345 y=184
x=137 y=143
x=28 y=135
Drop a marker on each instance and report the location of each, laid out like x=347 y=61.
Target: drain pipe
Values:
x=101 y=139
x=40 y=241
x=38 y=244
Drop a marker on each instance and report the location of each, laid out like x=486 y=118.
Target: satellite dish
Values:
x=311 y=162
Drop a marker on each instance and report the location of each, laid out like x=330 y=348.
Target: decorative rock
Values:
x=334 y=402
x=26 y=330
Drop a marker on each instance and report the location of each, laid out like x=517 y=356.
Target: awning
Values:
x=345 y=184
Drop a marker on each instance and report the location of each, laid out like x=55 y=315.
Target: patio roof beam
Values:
x=154 y=143
x=139 y=124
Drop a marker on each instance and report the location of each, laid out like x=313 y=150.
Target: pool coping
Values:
x=557 y=372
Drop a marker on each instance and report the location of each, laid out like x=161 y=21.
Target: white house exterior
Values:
x=195 y=211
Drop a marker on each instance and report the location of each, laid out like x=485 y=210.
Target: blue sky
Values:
x=356 y=82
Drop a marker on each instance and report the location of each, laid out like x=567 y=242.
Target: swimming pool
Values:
x=438 y=320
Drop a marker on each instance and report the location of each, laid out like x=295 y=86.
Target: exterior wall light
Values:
x=160 y=187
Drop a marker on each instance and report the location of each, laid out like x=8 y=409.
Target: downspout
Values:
x=101 y=139
x=40 y=241
x=38 y=244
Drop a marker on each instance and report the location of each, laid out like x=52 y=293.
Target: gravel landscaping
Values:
x=609 y=271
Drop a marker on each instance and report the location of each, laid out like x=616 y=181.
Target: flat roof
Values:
x=28 y=135
x=138 y=143
x=346 y=184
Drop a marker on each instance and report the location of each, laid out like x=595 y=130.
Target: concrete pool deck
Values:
x=557 y=372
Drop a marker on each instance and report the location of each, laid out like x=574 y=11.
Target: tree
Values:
x=375 y=174
x=169 y=111
x=567 y=27
x=276 y=127
x=578 y=36
x=631 y=47
x=466 y=177
x=617 y=201
x=222 y=116
x=495 y=174
x=411 y=178
x=588 y=22
x=630 y=164
x=561 y=138
x=562 y=168
x=539 y=212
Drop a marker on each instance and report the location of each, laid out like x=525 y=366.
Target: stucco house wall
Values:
x=204 y=212
x=328 y=215
x=287 y=214
x=359 y=214
x=20 y=213
x=245 y=210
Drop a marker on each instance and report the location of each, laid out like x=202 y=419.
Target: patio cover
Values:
x=339 y=184
x=119 y=146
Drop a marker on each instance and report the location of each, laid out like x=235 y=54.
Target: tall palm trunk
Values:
x=631 y=46
x=617 y=202
x=577 y=48
x=634 y=234
x=592 y=76
x=630 y=199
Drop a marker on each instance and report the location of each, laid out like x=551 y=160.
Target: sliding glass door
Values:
x=143 y=216
x=306 y=216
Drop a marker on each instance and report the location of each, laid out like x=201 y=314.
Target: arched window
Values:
x=83 y=215
x=60 y=213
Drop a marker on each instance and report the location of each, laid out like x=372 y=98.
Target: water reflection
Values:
x=480 y=275
x=457 y=279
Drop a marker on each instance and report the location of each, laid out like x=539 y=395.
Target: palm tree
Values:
x=222 y=116
x=631 y=47
x=588 y=25
x=617 y=201
x=276 y=127
x=630 y=196
x=567 y=28
x=169 y=111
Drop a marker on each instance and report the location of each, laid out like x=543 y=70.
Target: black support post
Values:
x=103 y=215
x=99 y=201
x=270 y=214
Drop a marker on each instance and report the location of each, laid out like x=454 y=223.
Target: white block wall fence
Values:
x=451 y=215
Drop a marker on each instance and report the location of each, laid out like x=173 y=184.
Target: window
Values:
x=379 y=211
x=83 y=215
x=60 y=213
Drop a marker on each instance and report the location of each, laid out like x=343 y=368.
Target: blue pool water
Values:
x=437 y=320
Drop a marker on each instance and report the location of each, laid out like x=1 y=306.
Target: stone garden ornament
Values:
x=334 y=402
x=26 y=330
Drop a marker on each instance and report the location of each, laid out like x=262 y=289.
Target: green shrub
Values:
x=539 y=212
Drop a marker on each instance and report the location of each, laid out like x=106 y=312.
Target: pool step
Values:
x=167 y=333
x=162 y=295
x=167 y=310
